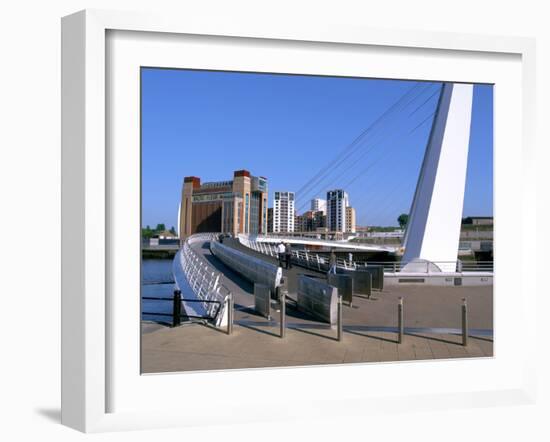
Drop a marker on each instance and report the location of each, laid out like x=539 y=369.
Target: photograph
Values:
x=293 y=220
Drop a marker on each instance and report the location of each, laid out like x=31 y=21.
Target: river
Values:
x=157 y=282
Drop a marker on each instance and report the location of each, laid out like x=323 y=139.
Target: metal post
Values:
x=176 y=311
x=340 y=321
x=400 y=322
x=464 y=322
x=282 y=320
x=230 y=306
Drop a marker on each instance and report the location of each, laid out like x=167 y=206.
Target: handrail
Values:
x=315 y=260
x=250 y=267
x=199 y=278
x=176 y=314
x=336 y=243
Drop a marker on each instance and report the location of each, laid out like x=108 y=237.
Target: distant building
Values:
x=310 y=221
x=270 y=220
x=283 y=212
x=319 y=205
x=337 y=201
x=235 y=206
x=478 y=220
x=165 y=234
x=350 y=219
x=361 y=229
x=481 y=220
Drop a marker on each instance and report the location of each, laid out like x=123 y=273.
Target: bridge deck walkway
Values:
x=291 y=275
x=243 y=290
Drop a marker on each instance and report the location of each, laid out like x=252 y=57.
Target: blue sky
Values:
x=289 y=128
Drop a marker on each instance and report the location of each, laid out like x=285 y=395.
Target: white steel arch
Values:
x=433 y=230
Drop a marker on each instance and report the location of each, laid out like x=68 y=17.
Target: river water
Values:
x=157 y=282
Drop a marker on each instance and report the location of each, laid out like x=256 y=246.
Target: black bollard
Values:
x=176 y=312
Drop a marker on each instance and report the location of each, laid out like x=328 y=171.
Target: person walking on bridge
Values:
x=288 y=256
x=332 y=262
x=281 y=253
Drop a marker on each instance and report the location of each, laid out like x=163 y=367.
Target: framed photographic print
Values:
x=317 y=209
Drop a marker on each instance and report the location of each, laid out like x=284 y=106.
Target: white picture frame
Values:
x=86 y=205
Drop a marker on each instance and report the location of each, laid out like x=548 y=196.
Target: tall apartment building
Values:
x=283 y=212
x=350 y=220
x=235 y=206
x=319 y=205
x=337 y=201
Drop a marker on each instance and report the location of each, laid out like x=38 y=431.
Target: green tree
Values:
x=147 y=232
x=160 y=228
x=173 y=230
x=403 y=219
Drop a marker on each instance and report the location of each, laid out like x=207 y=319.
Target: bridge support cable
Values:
x=385 y=153
x=385 y=197
x=367 y=143
x=320 y=184
x=349 y=149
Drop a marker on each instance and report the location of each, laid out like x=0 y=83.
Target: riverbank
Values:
x=158 y=254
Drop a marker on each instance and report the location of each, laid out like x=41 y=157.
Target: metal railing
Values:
x=250 y=267
x=193 y=274
x=175 y=315
x=276 y=237
x=314 y=260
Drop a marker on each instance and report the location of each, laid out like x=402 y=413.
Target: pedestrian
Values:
x=288 y=256
x=281 y=253
x=332 y=262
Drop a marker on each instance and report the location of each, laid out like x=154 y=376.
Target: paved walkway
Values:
x=369 y=330
x=196 y=347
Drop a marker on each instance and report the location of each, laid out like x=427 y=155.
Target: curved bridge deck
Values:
x=243 y=289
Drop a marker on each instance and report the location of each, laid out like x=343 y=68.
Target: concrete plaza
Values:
x=432 y=322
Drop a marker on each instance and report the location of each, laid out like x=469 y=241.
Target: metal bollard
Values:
x=464 y=322
x=282 y=321
x=230 y=312
x=400 y=322
x=176 y=311
x=340 y=321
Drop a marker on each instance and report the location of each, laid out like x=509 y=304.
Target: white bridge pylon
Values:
x=433 y=230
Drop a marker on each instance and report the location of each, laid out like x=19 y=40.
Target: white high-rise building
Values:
x=337 y=201
x=319 y=205
x=283 y=212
